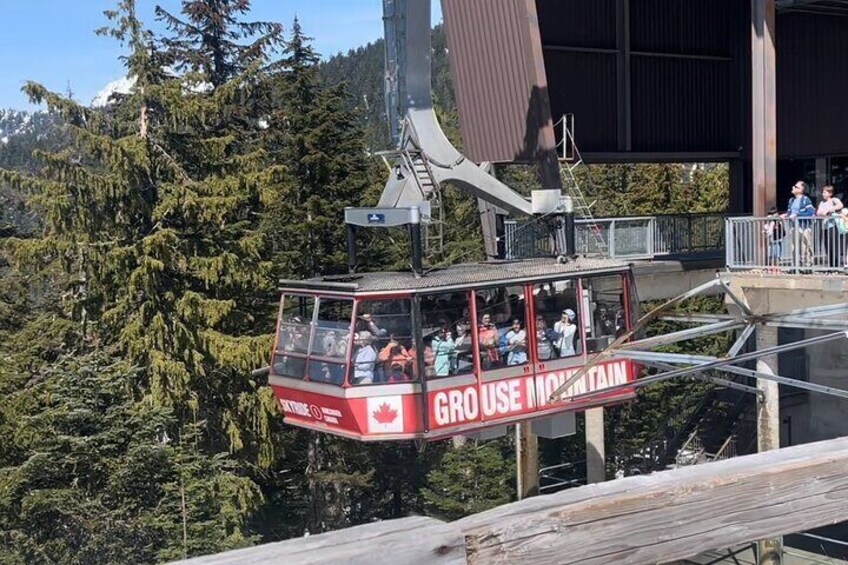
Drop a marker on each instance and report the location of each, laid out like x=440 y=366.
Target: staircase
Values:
x=725 y=430
x=570 y=160
x=720 y=426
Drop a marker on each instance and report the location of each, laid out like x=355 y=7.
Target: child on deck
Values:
x=774 y=233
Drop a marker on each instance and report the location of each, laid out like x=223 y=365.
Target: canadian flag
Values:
x=385 y=414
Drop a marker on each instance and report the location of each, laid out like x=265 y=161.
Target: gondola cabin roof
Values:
x=463 y=275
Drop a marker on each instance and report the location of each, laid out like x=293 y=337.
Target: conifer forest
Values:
x=140 y=247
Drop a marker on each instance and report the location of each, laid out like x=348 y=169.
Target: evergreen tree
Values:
x=317 y=137
x=210 y=38
x=469 y=479
x=152 y=214
x=88 y=474
x=711 y=185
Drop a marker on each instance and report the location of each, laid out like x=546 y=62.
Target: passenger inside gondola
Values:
x=516 y=344
x=294 y=339
x=463 y=358
x=443 y=352
x=608 y=311
x=558 y=336
x=566 y=329
x=395 y=354
x=487 y=336
x=365 y=359
x=546 y=339
x=501 y=342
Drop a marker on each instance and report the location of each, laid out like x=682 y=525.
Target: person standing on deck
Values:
x=800 y=207
x=831 y=238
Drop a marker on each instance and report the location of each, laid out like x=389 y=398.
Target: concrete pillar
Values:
x=595 y=453
x=763 y=105
x=769 y=551
x=768 y=410
x=526 y=461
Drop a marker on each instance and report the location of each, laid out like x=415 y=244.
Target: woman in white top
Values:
x=566 y=330
x=832 y=239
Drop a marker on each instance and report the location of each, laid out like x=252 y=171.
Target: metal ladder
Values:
x=434 y=231
x=413 y=160
x=570 y=159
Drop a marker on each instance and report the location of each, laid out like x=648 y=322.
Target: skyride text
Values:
x=519 y=394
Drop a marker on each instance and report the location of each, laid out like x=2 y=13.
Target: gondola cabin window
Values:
x=558 y=320
x=384 y=348
x=331 y=341
x=293 y=335
x=447 y=334
x=603 y=300
x=502 y=332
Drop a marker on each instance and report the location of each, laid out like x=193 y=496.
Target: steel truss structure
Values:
x=675 y=365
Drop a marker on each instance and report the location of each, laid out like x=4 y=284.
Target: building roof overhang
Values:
x=827 y=7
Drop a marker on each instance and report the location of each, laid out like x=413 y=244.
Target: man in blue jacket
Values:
x=800 y=206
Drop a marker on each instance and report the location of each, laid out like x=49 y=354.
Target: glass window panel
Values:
x=332 y=328
x=557 y=320
x=383 y=347
x=288 y=365
x=321 y=371
x=502 y=333
x=446 y=332
x=295 y=321
x=605 y=306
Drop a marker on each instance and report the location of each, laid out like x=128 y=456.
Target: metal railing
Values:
x=562 y=476
x=692 y=452
x=677 y=234
x=630 y=237
x=784 y=245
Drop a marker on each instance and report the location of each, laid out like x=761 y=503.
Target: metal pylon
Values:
x=570 y=160
x=415 y=165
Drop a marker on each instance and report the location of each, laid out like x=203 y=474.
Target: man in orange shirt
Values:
x=394 y=354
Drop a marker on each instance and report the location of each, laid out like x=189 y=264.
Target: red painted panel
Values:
x=505 y=399
x=316 y=409
x=459 y=407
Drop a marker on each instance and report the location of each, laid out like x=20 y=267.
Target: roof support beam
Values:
x=764 y=105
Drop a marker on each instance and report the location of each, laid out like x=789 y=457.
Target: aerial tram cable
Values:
x=639 y=350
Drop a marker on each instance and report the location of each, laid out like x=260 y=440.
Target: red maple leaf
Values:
x=385 y=414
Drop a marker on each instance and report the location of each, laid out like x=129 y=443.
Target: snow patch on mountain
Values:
x=122 y=85
x=14 y=123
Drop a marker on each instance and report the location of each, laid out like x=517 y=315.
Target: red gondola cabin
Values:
x=391 y=356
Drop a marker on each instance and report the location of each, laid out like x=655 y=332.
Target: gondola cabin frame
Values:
x=390 y=356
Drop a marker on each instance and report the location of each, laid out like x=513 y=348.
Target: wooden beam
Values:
x=416 y=540
x=670 y=515
x=647 y=519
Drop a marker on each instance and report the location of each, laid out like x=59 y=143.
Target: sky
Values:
x=53 y=42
